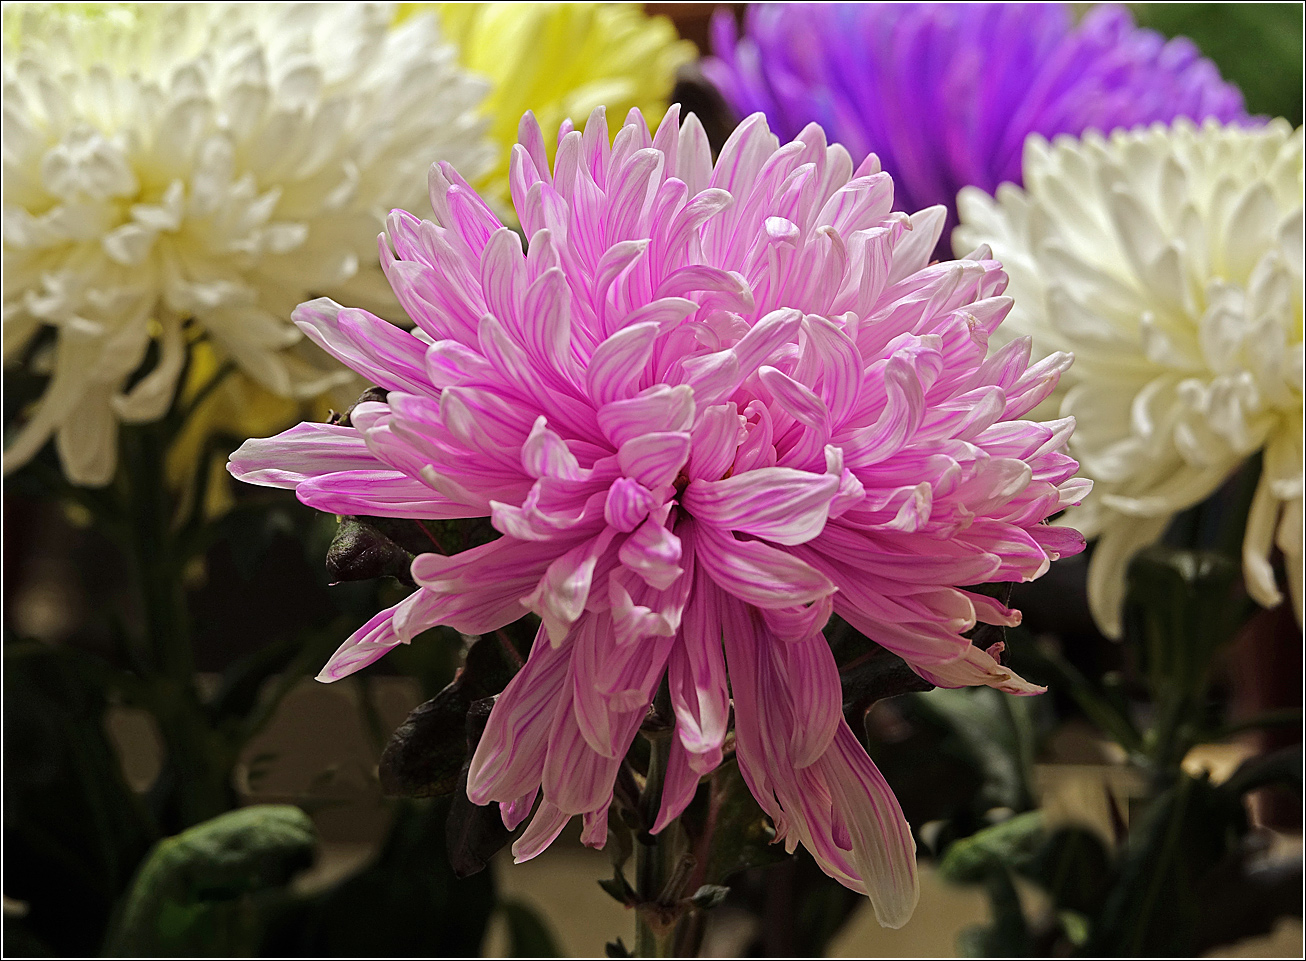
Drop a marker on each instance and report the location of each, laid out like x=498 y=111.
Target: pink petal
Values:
x=654 y=459
x=380 y=351
x=817 y=696
x=628 y=503
x=976 y=667
x=654 y=553
x=796 y=399
x=697 y=672
x=799 y=623
x=562 y=592
x=513 y=813
x=831 y=356
x=757 y=573
x=542 y=831
x=545 y=454
x=883 y=849
x=576 y=777
x=379 y=494
x=305 y=451
x=679 y=783
x=509 y=758
x=715 y=438
x=658 y=409
x=776 y=503
x=595 y=833
x=617 y=365
x=369 y=643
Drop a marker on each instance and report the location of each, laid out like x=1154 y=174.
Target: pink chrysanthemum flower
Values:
x=709 y=406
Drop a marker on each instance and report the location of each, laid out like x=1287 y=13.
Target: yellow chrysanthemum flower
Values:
x=561 y=60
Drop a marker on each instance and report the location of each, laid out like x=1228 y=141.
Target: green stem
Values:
x=1099 y=709
x=655 y=922
x=200 y=761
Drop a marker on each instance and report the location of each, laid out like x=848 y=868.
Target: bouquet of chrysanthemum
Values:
x=699 y=457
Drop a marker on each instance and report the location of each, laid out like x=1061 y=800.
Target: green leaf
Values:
x=1179 y=603
x=1152 y=906
x=1074 y=867
x=1276 y=767
x=364 y=548
x=868 y=672
x=1075 y=925
x=619 y=889
x=528 y=935
x=998 y=732
x=192 y=894
x=1012 y=843
x=426 y=754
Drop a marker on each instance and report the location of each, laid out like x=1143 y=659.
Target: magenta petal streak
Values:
x=709 y=406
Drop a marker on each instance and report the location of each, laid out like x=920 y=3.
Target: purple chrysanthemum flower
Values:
x=708 y=406
x=945 y=94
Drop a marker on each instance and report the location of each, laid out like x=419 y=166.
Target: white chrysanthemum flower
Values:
x=210 y=163
x=1169 y=260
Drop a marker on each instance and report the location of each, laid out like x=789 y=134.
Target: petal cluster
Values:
x=708 y=405
x=1169 y=260
x=946 y=94
x=561 y=60
x=203 y=165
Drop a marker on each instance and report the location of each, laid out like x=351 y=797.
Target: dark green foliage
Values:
x=741 y=833
x=73 y=830
x=474 y=833
x=1012 y=843
x=201 y=892
x=426 y=753
x=995 y=732
x=1257 y=46
x=404 y=903
x=364 y=548
x=528 y=935
x=1188 y=874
